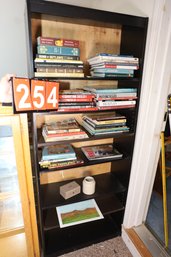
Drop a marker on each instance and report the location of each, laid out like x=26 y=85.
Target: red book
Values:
x=65 y=100
x=57 y=42
x=83 y=109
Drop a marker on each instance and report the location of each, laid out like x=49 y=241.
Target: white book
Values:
x=115 y=103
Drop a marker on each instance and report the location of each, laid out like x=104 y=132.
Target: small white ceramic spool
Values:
x=89 y=185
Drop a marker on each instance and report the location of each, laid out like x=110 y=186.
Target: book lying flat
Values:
x=100 y=152
x=58 y=152
x=65 y=125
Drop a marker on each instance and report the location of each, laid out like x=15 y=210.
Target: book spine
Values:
x=58 y=50
x=111 y=91
x=66 y=100
x=59 y=65
x=53 y=139
x=105 y=95
x=58 y=74
x=114 y=71
x=67 y=96
x=108 y=122
x=60 y=70
x=116 y=107
x=114 y=103
x=65 y=134
x=46 y=57
x=57 y=42
x=76 y=109
x=116 y=98
x=112 y=66
x=110 y=57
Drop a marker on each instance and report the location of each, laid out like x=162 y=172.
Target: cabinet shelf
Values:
x=42 y=143
x=106 y=184
x=91 y=78
x=59 y=241
x=109 y=204
x=86 y=162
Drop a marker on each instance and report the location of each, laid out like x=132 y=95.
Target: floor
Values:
x=13 y=246
x=154 y=219
x=12 y=238
x=110 y=248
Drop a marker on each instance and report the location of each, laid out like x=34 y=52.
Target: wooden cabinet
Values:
x=18 y=226
x=97 y=31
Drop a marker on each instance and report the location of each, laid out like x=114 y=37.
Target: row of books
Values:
x=109 y=65
x=92 y=99
x=59 y=156
x=76 y=100
x=106 y=123
x=113 y=98
x=95 y=124
x=58 y=58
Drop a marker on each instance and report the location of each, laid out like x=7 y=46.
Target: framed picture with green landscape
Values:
x=77 y=213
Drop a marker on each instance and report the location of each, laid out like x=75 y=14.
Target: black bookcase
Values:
x=125 y=34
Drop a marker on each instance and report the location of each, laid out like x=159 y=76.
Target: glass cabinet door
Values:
x=18 y=233
x=11 y=217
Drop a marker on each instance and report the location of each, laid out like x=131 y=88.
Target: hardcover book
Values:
x=100 y=152
x=105 y=118
x=110 y=90
x=57 y=41
x=59 y=74
x=67 y=125
x=58 y=50
x=48 y=58
x=106 y=57
x=60 y=151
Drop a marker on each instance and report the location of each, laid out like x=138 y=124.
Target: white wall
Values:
x=132 y=7
x=12 y=28
x=13 y=41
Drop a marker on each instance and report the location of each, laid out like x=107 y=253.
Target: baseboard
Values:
x=141 y=243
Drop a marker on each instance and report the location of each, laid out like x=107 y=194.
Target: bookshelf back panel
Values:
x=74 y=173
x=94 y=38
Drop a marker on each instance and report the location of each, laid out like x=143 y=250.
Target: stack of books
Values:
x=109 y=65
x=101 y=152
x=76 y=100
x=105 y=123
x=67 y=129
x=58 y=58
x=58 y=156
x=114 y=98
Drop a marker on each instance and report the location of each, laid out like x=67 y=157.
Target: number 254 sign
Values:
x=30 y=95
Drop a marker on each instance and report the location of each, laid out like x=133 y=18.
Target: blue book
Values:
x=57 y=152
x=58 y=50
x=110 y=90
x=114 y=71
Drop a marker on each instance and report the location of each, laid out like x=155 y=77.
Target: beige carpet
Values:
x=110 y=248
